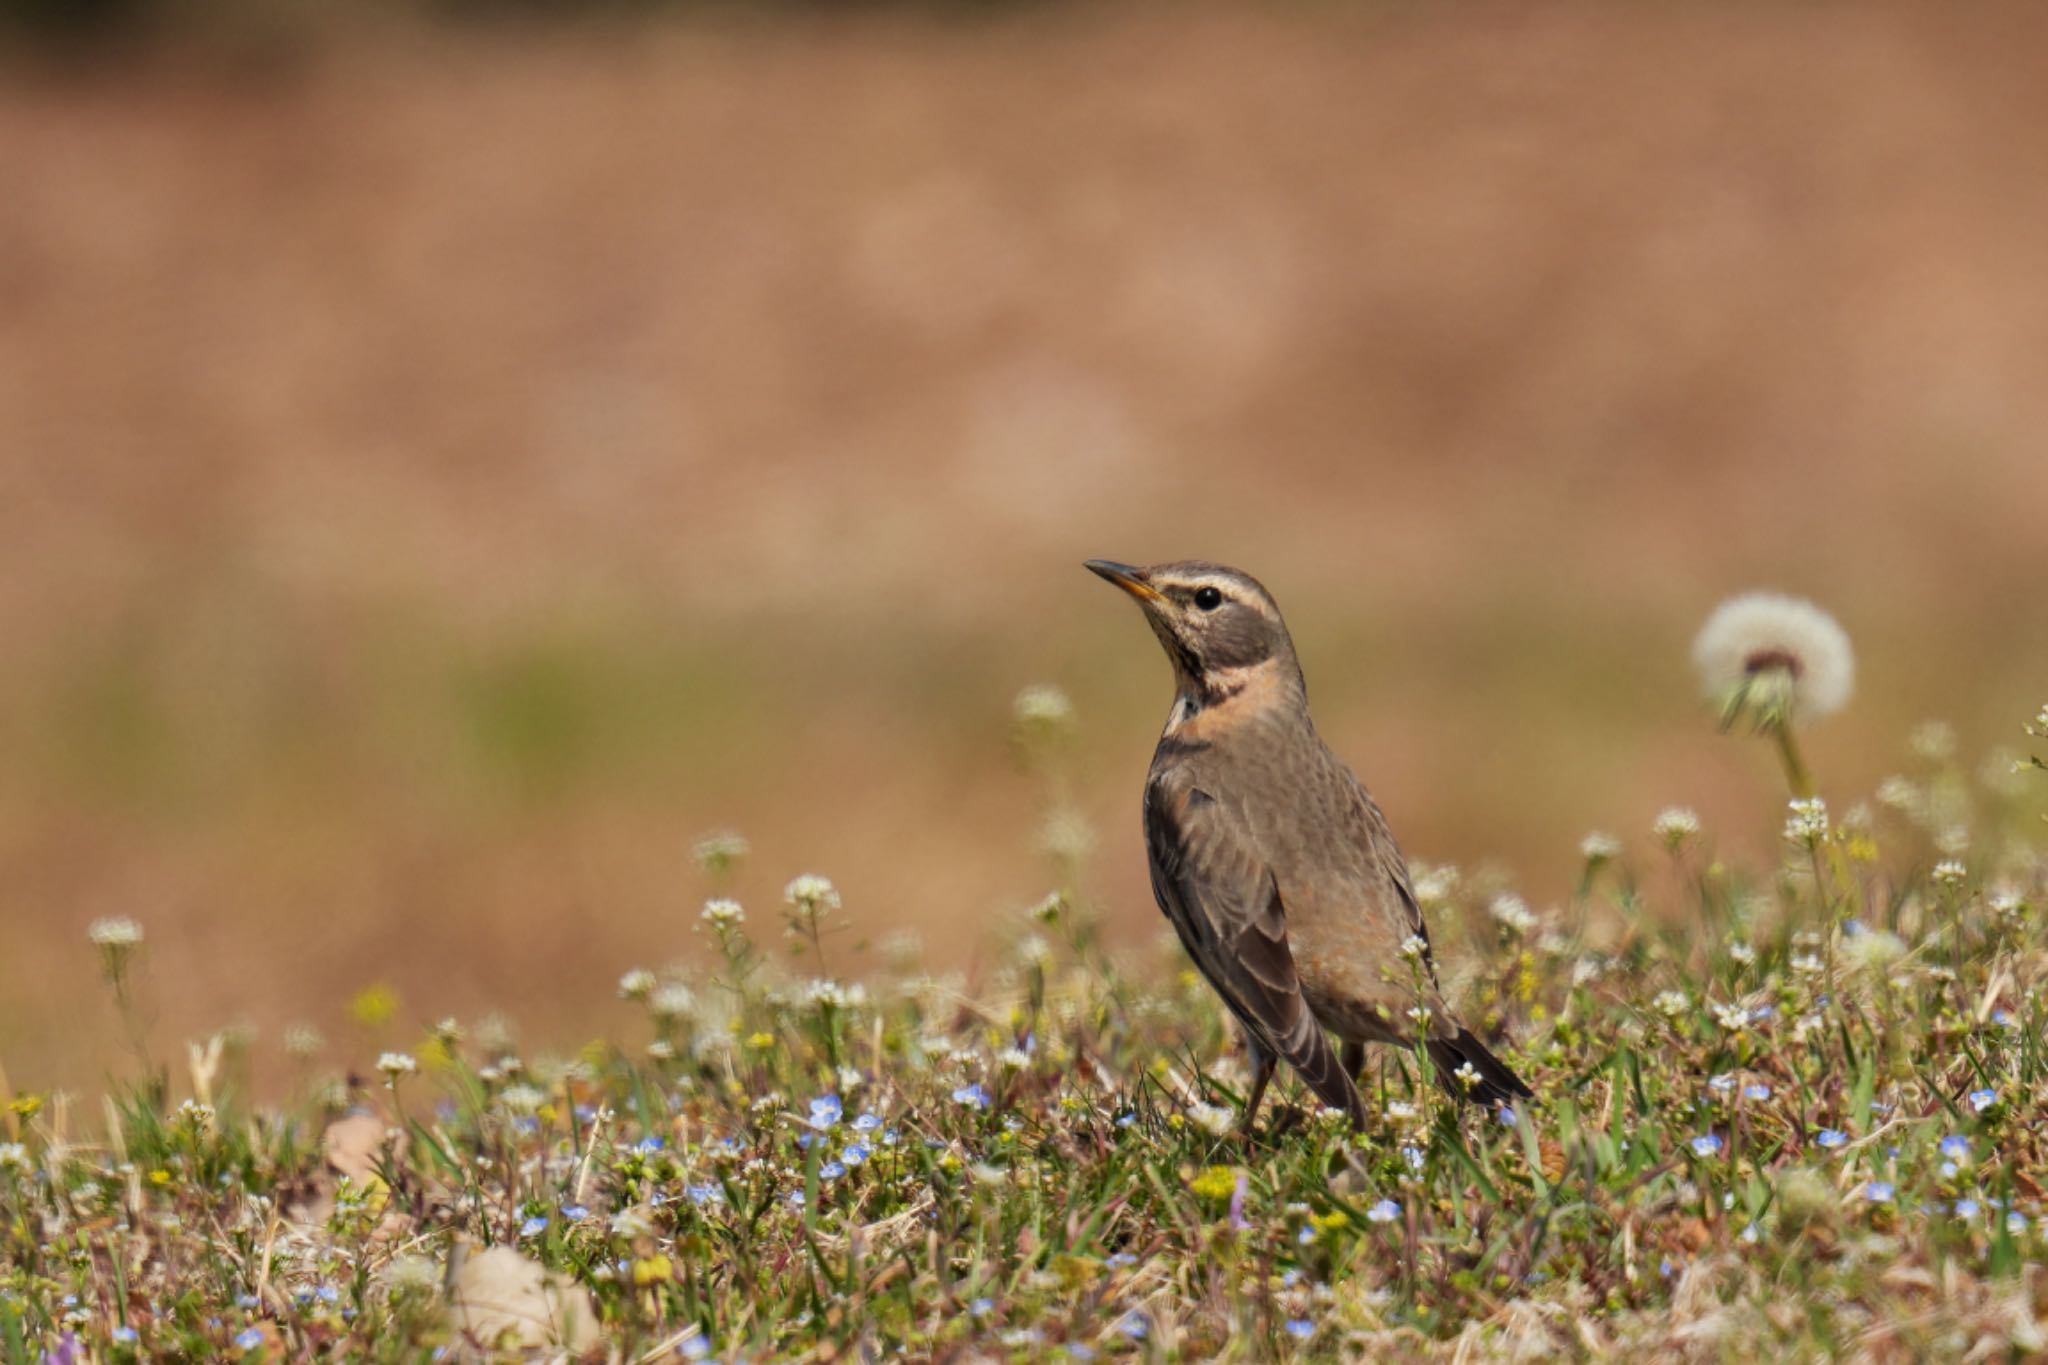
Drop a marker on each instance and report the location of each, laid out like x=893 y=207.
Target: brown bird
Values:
x=1272 y=861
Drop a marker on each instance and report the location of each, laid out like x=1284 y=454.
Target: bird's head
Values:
x=1218 y=624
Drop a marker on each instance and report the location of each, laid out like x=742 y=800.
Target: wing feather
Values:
x=1224 y=902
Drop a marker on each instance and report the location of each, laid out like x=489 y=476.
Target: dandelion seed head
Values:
x=1762 y=640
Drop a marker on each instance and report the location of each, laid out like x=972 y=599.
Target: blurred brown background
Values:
x=447 y=467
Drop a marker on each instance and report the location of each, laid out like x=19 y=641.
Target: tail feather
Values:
x=1496 y=1085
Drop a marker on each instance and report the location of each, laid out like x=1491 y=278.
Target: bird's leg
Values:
x=1263 y=1064
x=1351 y=1056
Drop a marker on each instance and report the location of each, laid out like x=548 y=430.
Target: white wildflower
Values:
x=119 y=932
x=1950 y=873
x=720 y=853
x=1675 y=825
x=1042 y=709
x=1902 y=794
x=195 y=1115
x=1433 y=886
x=1415 y=947
x=303 y=1040
x=637 y=984
x=811 y=897
x=1400 y=1111
x=13 y=1158
x=522 y=1099
x=1512 y=911
x=1211 y=1118
x=1778 y=658
x=1599 y=847
x=1875 y=949
x=1933 y=740
x=1672 y=1003
x=671 y=1001
x=1807 y=821
x=1806 y=964
x=396 y=1064
x=1742 y=952
x=1733 y=1018
x=1467 y=1074
x=722 y=913
x=661 y=1050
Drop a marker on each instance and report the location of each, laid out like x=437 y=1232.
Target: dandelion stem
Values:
x=1795 y=766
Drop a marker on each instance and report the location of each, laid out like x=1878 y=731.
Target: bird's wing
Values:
x=1225 y=904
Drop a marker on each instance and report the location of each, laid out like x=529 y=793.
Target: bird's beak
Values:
x=1127 y=577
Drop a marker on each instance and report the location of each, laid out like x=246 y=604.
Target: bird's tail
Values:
x=1496 y=1084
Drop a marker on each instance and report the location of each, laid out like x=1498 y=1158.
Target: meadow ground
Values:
x=1809 y=1125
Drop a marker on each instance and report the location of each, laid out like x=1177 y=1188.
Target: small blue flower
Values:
x=831 y=1170
x=981 y=1308
x=1305 y=1236
x=1956 y=1147
x=585 y=1113
x=974 y=1096
x=533 y=1227
x=1666 y=1268
x=1413 y=1156
x=826 y=1111
x=1832 y=1138
x=327 y=1293
x=1967 y=1208
x=1123 y=1259
x=701 y=1195
x=856 y=1153
x=867 y=1123
x=697 y=1347
x=796 y=1199
x=1706 y=1144
x=651 y=1144
x=249 y=1340
x=1300 y=1328
x=1386 y=1211
x=526 y=1124
x=1879 y=1191
x=1126 y=1120
x=246 y=1301
x=126 y=1336
x=1080 y=1351
x=575 y=1213
x=1752 y=1234
x=1135 y=1325
x=1980 y=1100
x=890 y=1138
x=1723 y=1083
x=1756 y=1093
x=1854 y=928
x=803 y=1142
x=1949 y=1170
x=1880 y=1107
x=1508 y=1117
x=2015 y=1223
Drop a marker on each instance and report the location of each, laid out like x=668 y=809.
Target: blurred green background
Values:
x=449 y=464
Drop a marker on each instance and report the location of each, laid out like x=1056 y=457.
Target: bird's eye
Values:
x=1208 y=599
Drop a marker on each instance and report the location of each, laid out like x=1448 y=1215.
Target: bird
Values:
x=1273 y=862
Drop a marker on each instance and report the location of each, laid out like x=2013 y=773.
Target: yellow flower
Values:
x=1218 y=1182
x=375 y=1006
x=1331 y=1221
x=653 y=1269
x=28 y=1106
x=159 y=1176
x=761 y=1042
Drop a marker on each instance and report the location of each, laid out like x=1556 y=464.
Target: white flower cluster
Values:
x=1675 y=825
x=119 y=932
x=1599 y=847
x=1512 y=911
x=811 y=897
x=722 y=913
x=396 y=1064
x=1807 y=822
x=1042 y=706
